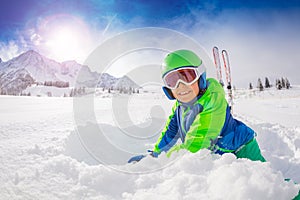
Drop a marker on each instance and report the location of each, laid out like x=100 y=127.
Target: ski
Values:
x=228 y=77
x=218 y=65
x=227 y=72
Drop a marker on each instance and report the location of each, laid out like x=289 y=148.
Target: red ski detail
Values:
x=228 y=77
x=227 y=67
x=218 y=64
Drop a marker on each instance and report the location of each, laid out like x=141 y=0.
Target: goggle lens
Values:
x=186 y=75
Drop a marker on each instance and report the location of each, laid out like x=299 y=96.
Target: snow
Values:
x=40 y=90
x=20 y=75
x=47 y=153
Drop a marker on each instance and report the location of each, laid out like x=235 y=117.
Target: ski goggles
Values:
x=185 y=75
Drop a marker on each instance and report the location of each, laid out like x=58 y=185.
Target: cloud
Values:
x=9 y=50
x=260 y=42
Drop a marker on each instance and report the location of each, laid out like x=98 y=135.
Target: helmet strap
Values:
x=202 y=81
x=168 y=93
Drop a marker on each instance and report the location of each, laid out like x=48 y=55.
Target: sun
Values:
x=64 y=43
x=65 y=37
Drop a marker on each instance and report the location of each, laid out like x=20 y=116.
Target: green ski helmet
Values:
x=183 y=58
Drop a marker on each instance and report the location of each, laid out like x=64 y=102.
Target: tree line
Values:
x=59 y=84
x=280 y=83
x=122 y=90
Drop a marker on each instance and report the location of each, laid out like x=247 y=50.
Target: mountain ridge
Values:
x=31 y=68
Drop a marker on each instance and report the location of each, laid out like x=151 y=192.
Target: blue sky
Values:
x=16 y=13
x=261 y=36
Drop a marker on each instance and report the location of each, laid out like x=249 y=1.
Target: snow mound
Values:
x=192 y=176
x=207 y=176
x=45 y=156
x=107 y=144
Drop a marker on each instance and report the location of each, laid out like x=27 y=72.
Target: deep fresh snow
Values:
x=47 y=151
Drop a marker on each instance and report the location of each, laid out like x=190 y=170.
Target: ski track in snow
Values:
x=41 y=158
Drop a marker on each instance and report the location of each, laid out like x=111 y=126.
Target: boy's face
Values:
x=185 y=93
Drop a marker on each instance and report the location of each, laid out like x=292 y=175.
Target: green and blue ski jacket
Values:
x=205 y=122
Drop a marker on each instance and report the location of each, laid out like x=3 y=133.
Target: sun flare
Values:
x=64 y=43
x=65 y=37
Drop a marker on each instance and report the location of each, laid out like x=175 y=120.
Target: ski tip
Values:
x=224 y=51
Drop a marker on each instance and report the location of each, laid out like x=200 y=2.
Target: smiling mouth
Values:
x=184 y=93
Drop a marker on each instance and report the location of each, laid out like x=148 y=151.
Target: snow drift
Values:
x=43 y=156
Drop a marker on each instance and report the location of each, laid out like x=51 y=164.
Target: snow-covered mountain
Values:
x=108 y=81
x=32 y=68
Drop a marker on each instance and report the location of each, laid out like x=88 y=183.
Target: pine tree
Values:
x=79 y=91
x=283 y=82
x=267 y=83
x=260 y=85
x=287 y=84
x=75 y=92
x=71 y=93
x=129 y=90
x=278 y=84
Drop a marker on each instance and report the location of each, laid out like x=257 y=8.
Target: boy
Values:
x=200 y=117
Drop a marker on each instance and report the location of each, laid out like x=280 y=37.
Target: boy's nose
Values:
x=181 y=85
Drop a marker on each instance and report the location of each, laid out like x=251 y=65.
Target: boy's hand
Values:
x=153 y=154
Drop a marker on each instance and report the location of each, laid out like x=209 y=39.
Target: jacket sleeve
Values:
x=207 y=125
x=169 y=135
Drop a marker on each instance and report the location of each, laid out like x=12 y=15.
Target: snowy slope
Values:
x=275 y=115
x=36 y=65
x=46 y=153
x=30 y=67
